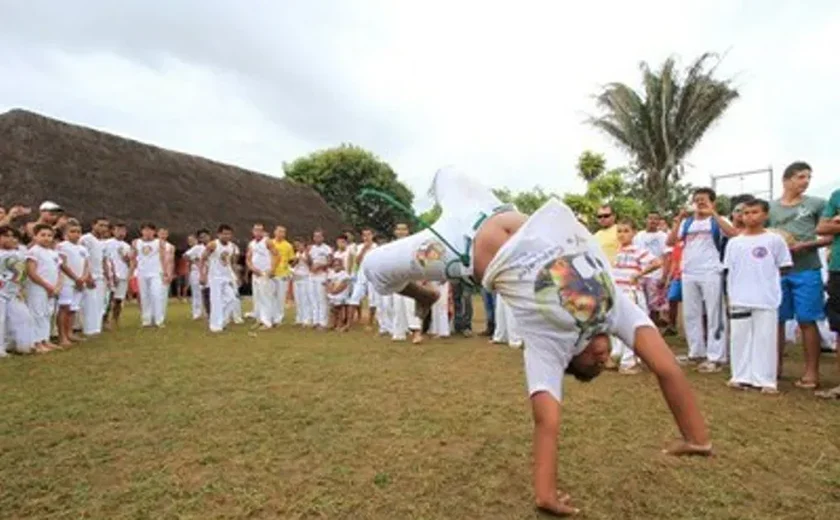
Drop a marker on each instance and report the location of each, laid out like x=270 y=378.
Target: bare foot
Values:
x=77 y=339
x=417 y=339
x=65 y=343
x=559 y=507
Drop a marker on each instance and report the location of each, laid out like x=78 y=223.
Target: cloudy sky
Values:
x=498 y=88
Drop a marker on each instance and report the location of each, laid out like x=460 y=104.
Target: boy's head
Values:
x=7 y=237
x=100 y=226
x=203 y=236
x=341 y=242
x=626 y=230
x=192 y=240
x=42 y=234
x=796 y=178
x=401 y=230
x=367 y=235
x=279 y=233
x=704 y=201
x=258 y=231
x=147 y=231
x=755 y=213
x=318 y=237
x=338 y=264
x=663 y=225
x=225 y=233
x=73 y=231
x=119 y=231
x=163 y=234
x=653 y=219
x=589 y=364
x=299 y=244
x=349 y=236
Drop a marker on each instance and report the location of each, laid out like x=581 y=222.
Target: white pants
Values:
x=93 y=308
x=16 y=326
x=263 y=303
x=440 y=313
x=506 y=330
x=151 y=302
x=404 y=317
x=619 y=349
x=223 y=301
x=164 y=299
x=41 y=308
x=318 y=299
x=303 y=301
x=754 y=355
x=280 y=287
x=196 y=299
x=699 y=294
x=385 y=313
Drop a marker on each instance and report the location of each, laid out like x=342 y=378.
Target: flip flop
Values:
x=833 y=393
x=805 y=385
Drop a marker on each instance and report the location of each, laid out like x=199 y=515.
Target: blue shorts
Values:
x=675 y=291
x=802 y=297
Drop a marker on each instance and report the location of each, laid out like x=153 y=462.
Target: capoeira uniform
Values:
x=117 y=251
x=361 y=286
x=630 y=261
x=506 y=330
x=754 y=283
x=404 y=317
x=319 y=254
x=334 y=279
x=74 y=256
x=440 y=312
x=94 y=299
x=169 y=257
x=262 y=286
x=41 y=304
x=193 y=254
x=222 y=282
x=303 y=289
x=150 y=279
x=551 y=273
x=16 y=325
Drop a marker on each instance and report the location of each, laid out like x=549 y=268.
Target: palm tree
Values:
x=661 y=125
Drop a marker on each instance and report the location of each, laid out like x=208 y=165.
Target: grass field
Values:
x=176 y=423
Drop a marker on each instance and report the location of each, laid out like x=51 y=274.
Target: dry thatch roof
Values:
x=92 y=174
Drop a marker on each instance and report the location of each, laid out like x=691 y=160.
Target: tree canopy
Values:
x=339 y=175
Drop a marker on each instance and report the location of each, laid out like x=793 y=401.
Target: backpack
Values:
x=717 y=236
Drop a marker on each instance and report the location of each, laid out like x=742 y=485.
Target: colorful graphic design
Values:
x=580 y=284
x=146 y=250
x=429 y=252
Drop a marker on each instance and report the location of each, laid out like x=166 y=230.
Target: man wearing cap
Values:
x=49 y=213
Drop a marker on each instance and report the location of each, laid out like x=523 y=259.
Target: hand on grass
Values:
x=684 y=448
x=559 y=507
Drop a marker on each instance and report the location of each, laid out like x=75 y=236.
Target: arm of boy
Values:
x=32 y=273
x=674 y=234
x=202 y=264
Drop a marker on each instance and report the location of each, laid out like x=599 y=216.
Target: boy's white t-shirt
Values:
x=96 y=254
x=148 y=258
x=12 y=273
x=193 y=254
x=320 y=254
x=117 y=251
x=333 y=279
x=700 y=256
x=753 y=262
x=654 y=242
x=48 y=263
x=75 y=256
x=260 y=255
x=300 y=269
x=220 y=260
x=344 y=256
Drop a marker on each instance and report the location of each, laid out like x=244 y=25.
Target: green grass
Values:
x=177 y=423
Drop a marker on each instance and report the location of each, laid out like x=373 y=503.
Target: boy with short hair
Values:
x=43 y=265
x=259 y=259
x=96 y=292
x=361 y=287
x=281 y=273
x=193 y=256
x=338 y=289
x=319 y=255
x=302 y=289
x=654 y=241
x=148 y=261
x=76 y=269
x=218 y=274
x=404 y=316
x=753 y=261
x=15 y=319
x=118 y=252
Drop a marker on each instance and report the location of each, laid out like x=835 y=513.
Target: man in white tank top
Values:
x=259 y=260
x=217 y=273
x=147 y=262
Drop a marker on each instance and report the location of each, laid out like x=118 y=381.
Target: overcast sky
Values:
x=500 y=89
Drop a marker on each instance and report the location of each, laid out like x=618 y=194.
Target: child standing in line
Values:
x=632 y=264
x=753 y=261
x=338 y=290
x=76 y=268
x=43 y=264
x=15 y=320
x=302 y=290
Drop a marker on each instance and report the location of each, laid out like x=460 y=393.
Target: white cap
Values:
x=49 y=205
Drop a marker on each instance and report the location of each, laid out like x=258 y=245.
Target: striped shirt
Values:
x=629 y=262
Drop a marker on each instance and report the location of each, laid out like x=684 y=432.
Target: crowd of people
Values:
x=733 y=277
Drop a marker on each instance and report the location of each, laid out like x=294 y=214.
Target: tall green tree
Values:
x=339 y=174
x=525 y=201
x=660 y=125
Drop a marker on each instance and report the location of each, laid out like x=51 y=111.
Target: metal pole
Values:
x=770 y=173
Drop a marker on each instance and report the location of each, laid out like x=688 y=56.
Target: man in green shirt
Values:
x=830 y=226
x=802 y=287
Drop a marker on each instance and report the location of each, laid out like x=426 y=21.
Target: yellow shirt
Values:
x=285 y=253
x=608 y=240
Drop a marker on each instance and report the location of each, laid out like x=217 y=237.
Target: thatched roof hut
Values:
x=92 y=173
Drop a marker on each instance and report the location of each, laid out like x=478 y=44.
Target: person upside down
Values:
x=552 y=274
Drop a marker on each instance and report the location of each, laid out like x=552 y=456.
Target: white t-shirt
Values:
x=753 y=262
x=219 y=262
x=301 y=268
x=74 y=257
x=344 y=256
x=117 y=251
x=320 y=255
x=48 y=264
x=357 y=263
x=96 y=254
x=193 y=254
x=334 y=278
x=654 y=242
x=700 y=256
x=12 y=272
x=260 y=255
x=148 y=258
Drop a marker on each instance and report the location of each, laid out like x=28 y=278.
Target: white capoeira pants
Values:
x=303 y=300
x=16 y=326
x=279 y=290
x=404 y=318
x=262 y=298
x=506 y=330
x=754 y=353
x=41 y=308
x=440 y=313
x=93 y=307
x=385 y=313
x=196 y=299
x=619 y=348
x=223 y=300
x=318 y=299
x=164 y=299
x=699 y=295
x=151 y=302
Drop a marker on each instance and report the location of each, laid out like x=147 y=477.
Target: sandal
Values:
x=833 y=393
x=805 y=384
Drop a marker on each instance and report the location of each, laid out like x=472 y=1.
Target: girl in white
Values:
x=148 y=261
x=259 y=260
x=753 y=260
x=319 y=255
x=506 y=329
x=76 y=271
x=43 y=265
x=302 y=288
x=217 y=273
x=193 y=255
x=440 y=312
x=338 y=290
x=16 y=324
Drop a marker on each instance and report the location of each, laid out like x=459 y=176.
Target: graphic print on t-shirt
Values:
x=580 y=284
x=429 y=252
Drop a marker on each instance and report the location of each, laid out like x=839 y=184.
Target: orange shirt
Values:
x=183 y=266
x=676 y=261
